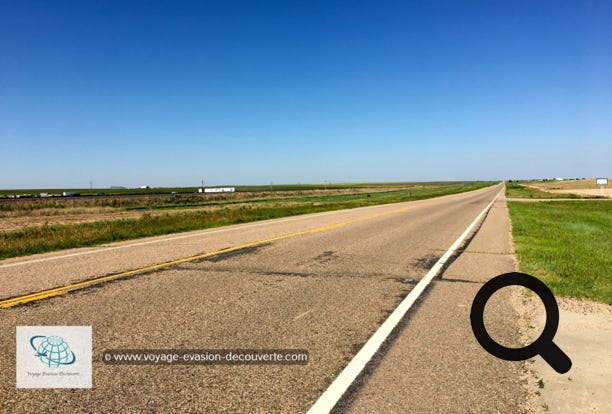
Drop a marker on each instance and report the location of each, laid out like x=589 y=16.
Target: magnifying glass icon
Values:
x=543 y=346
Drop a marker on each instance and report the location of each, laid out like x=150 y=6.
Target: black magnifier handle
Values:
x=555 y=357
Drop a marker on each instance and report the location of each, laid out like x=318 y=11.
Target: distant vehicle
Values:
x=70 y=194
x=173 y=192
x=144 y=186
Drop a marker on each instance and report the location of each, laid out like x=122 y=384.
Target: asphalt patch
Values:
x=233 y=253
x=326 y=257
x=457 y=281
x=290 y=274
x=427 y=262
x=404 y=280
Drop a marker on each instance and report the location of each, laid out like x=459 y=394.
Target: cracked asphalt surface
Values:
x=325 y=291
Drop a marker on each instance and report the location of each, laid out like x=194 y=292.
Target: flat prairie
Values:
x=585 y=187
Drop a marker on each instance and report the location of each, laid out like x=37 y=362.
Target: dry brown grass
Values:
x=564 y=185
x=49 y=212
x=586 y=188
x=77 y=216
x=23 y=213
x=45 y=206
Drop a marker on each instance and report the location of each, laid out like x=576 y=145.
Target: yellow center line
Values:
x=45 y=294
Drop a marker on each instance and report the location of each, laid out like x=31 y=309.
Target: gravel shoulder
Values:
x=585 y=334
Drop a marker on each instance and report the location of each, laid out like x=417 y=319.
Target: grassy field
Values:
x=286 y=193
x=38 y=239
x=98 y=191
x=30 y=206
x=517 y=190
x=568 y=245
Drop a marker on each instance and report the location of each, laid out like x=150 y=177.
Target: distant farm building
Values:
x=217 y=190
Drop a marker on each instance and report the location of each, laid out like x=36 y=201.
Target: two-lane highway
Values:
x=323 y=283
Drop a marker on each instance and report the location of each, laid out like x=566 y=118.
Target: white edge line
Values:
x=343 y=381
x=206 y=232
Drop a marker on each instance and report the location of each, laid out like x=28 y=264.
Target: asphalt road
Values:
x=322 y=282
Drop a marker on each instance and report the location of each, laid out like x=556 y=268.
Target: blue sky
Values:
x=169 y=93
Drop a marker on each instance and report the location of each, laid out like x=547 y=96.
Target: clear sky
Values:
x=246 y=92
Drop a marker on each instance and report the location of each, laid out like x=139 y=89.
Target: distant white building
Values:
x=217 y=190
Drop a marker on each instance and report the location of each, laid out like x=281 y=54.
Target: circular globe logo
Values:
x=52 y=351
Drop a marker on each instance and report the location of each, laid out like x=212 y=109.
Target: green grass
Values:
x=516 y=190
x=567 y=244
x=49 y=238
